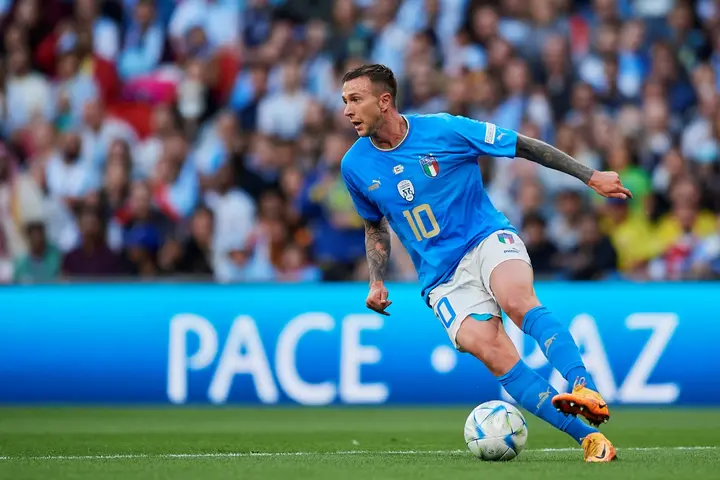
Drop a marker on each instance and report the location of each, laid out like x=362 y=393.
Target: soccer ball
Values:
x=495 y=431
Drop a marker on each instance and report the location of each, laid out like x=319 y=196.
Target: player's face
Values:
x=362 y=107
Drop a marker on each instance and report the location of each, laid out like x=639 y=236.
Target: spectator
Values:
x=564 y=226
x=282 y=114
x=633 y=63
x=671 y=169
x=295 y=266
x=705 y=259
x=391 y=40
x=351 y=38
x=686 y=217
x=234 y=215
x=106 y=35
x=175 y=182
x=194 y=256
x=259 y=258
x=72 y=90
x=634 y=178
x=689 y=42
x=632 y=236
x=93 y=257
x=557 y=74
x=698 y=138
x=148 y=151
x=42 y=262
x=248 y=91
x=71 y=176
x=215 y=147
x=28 y=94
x=218 y=19
x=144 y=42
x=100 y=130
x=143 y=229
x=541 y=250
x=336 y=228
x=594 y=258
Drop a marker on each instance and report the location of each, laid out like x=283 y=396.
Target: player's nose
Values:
x=347 y=111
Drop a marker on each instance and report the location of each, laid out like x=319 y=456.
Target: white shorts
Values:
x=468 y=291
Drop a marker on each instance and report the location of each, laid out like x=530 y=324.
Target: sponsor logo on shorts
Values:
x=512 y=250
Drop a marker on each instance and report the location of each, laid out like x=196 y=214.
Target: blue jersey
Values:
x=430 y=189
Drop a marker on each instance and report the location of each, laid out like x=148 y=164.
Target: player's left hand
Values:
x=377 y=299
x=608 y=185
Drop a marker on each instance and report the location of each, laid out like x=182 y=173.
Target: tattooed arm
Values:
x=377 y=248
x=540 y=152
x=606 y=184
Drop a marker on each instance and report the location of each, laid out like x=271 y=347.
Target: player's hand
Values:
x=608 y=185
x=377 y=299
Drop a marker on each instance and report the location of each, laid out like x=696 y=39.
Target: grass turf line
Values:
x=435 y=436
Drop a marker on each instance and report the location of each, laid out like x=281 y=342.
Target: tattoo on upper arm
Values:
x=540 y=152
x=377 y=247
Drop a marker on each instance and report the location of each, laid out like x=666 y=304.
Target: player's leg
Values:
x=487 y=341
x=470 y=314
x=506 y=271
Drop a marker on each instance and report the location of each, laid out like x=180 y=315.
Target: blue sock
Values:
x=557 y=344
x=535 y=394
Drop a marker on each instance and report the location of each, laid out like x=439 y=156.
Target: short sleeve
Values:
x=486 y=138
x=364 y=206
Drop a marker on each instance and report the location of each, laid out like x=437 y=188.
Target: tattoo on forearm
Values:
x=540 y=152
x=377 y=247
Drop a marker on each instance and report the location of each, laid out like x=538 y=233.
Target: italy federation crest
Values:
x=430 y=165
x=406 y=190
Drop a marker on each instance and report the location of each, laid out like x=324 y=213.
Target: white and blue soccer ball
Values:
x=496 y=430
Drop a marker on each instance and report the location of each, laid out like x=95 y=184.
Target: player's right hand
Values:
x=608 y=185
x=377 y=299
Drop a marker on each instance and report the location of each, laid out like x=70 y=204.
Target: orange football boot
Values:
x=583 y=401
x=598 y=449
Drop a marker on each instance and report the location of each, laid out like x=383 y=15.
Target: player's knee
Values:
x=518 y=304
x=497 y=356
x=490 y=344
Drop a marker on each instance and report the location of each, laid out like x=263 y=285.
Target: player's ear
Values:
x=385 y=101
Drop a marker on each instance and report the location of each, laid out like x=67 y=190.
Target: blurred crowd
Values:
x=202 y=138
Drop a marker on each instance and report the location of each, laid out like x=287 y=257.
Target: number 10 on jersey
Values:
x=417 y=217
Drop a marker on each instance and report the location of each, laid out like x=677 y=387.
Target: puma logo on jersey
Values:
x=375 y=185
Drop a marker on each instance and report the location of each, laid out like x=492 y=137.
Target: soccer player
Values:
x=419 y=174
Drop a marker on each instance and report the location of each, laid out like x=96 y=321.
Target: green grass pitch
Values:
x=332 y=444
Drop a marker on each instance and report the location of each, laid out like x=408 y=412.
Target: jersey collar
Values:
x=407 y=133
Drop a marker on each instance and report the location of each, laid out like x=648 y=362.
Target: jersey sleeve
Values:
x=486 y=138
x=364 y=206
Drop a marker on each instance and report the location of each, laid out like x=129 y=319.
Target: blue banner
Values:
x=318 y=345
